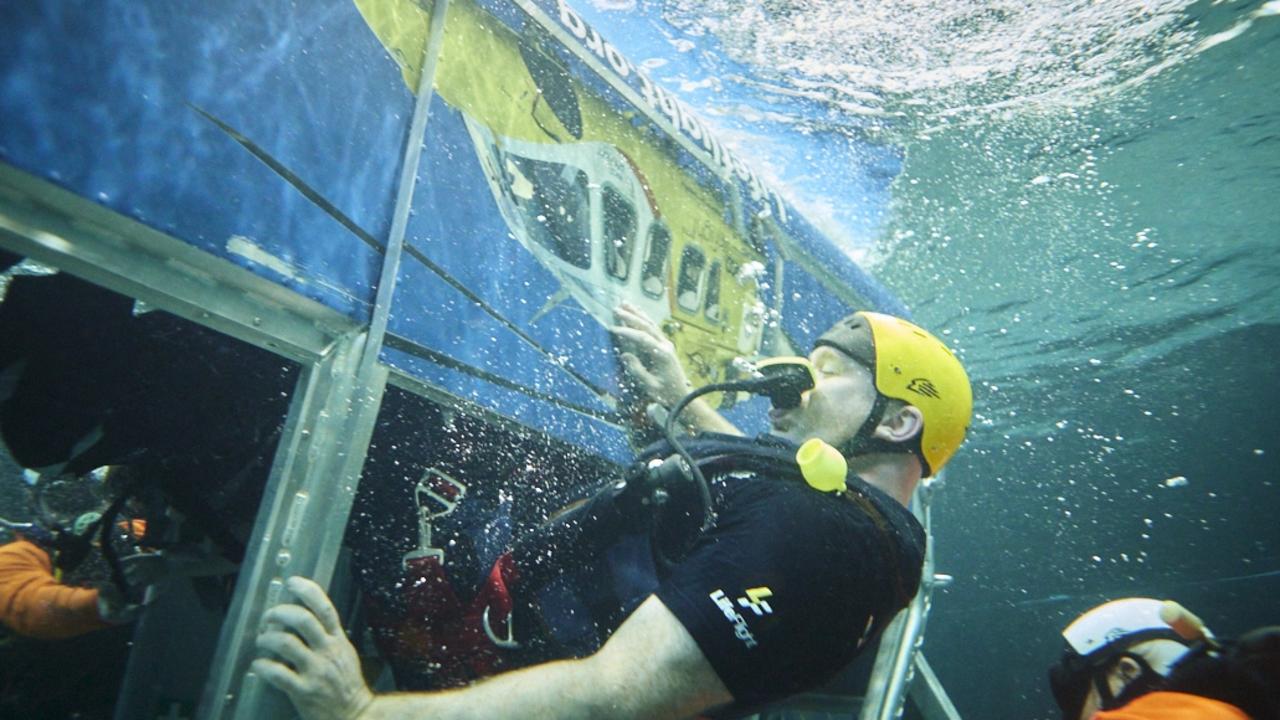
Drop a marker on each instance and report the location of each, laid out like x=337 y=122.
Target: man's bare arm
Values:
x=650 y=668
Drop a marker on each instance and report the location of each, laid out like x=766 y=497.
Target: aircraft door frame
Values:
x=314 y=480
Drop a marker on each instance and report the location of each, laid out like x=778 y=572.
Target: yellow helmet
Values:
x=913 y=366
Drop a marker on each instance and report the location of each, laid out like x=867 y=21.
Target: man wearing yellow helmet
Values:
x=888 y=393
x=774 y=594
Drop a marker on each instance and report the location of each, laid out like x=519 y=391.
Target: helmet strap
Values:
x=864 y=441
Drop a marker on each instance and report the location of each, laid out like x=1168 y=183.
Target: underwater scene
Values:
x=522 y=332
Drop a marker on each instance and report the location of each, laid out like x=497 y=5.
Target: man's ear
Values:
x=901 y=425
x=1124 y=671
x=1127 y=669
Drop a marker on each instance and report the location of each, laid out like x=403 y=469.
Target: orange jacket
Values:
x=1173 y=706
x=34 y=604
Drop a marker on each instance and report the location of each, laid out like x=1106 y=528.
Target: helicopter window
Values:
x=688 y=287
x=619 y=232
x=712 y=307
x=557 y=211
x=653 y=275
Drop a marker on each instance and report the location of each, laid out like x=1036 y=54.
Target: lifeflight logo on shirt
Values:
x=754 y=600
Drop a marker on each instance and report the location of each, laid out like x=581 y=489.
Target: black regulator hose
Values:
x=106 y=540
x=690 y=468
x=783 y=380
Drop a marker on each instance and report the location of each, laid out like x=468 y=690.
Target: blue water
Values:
x=1119 y=336
x=1121 y=329
x=1086 y=211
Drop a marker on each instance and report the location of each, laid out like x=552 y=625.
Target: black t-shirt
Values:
x=779 y=594
x=791 y=583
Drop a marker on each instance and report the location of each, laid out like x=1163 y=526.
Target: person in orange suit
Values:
x=1146 y=659
x=37 y=603
x=55 y=581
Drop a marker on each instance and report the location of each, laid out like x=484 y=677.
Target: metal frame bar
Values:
x=404 y=191
x=56 y=227
x=314 y=481
x=928 y=694
x=312 y=486
x=899 y=657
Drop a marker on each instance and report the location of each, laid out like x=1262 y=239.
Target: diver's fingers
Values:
x=635 y=317
x=626 y=332
x=314 y=597
x=643 y=341
x=299 y=620
x=628 y=313
x=287 y=647
x=278 y=675
x=628 y=337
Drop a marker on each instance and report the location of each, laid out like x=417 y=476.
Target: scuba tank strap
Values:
x=721 y=453
x=781 y=465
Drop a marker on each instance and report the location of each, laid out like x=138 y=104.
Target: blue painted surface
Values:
x=467 y=237
x=557 y=421
x=839 y=265
x=99 y=98
x=96 y=97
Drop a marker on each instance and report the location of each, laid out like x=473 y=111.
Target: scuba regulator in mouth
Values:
x=783 y=380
